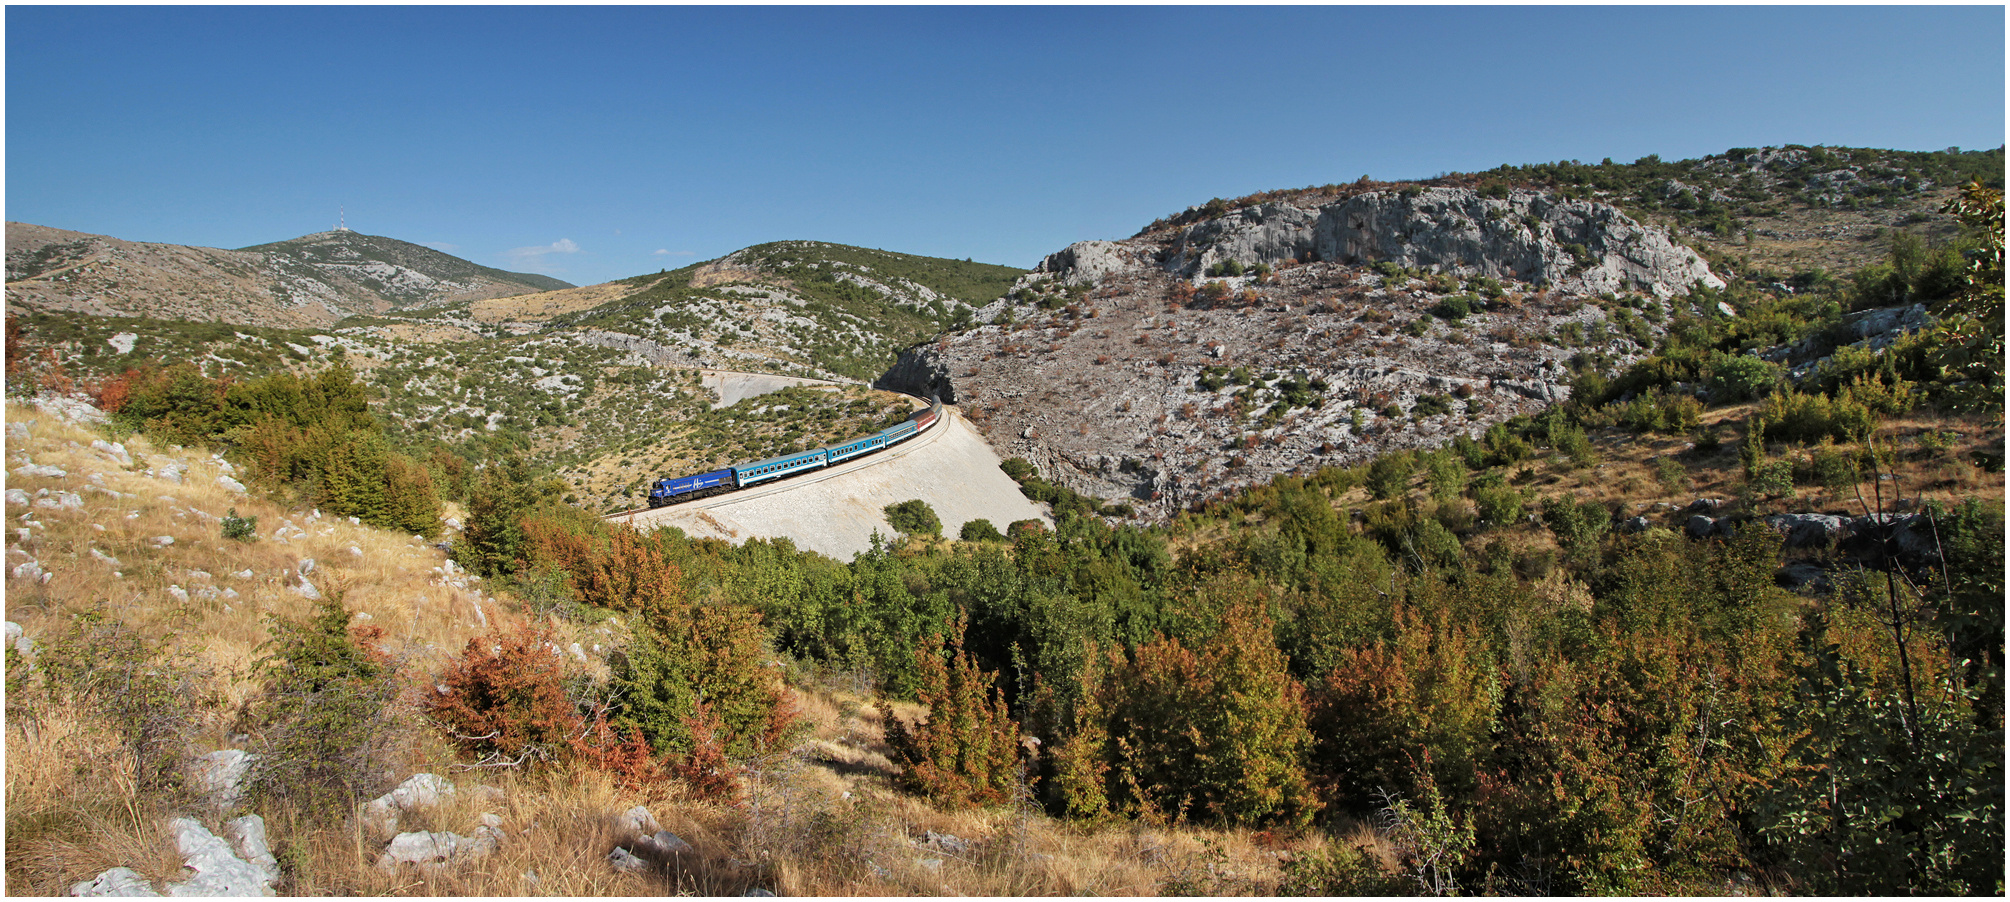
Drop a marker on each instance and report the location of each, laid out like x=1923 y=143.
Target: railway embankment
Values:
x=836 y=511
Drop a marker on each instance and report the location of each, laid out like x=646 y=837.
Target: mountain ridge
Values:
x=313 y=280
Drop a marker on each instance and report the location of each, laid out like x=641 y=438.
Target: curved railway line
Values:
x=766 y=477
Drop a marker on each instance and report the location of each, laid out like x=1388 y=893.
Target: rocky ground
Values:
x=1127 y=371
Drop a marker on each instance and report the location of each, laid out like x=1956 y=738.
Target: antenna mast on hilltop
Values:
x=342 y=222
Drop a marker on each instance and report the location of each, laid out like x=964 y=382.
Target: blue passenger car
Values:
x=778 y=467
x=856 y=447
x=895 y=433
x=671 y=491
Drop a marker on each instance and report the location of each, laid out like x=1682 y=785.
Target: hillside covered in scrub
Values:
x=1709 y=602
x=602 y=384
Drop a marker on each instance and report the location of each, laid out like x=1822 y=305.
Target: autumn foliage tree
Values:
x=1215 y=732
x=504 y=698
x=685 y=651
x=966 y=751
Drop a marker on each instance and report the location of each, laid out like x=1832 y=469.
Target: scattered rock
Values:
x=218 y=869
x=34 y=470
x=17 y=496
x=114 y=450
x=947 y=842
x=623 y=860
x=432 y=851
x=1809 y=530
x=637 y=822
x=32 y=571
x=1701 y=526
x=1804 y=578
x=662 y=846
x=418 y=791
x=247 y=836
x=220 y=774
x=61 y=501
x=163 y=541
x=17 y=638
x=1633 y=525
x=230 y=484
x=115 y=882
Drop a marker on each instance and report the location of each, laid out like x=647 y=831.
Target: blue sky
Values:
x=598 y=143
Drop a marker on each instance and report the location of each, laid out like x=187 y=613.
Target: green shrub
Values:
x=1497 y=502
x=1455 y=308
x=1446 y=471
x=1431 y=406
x=913 y=517
x=980 y=530
x=152 y=698
x=1575 y=524
x=1504 y=447
x=324 y=715
x=1389 y=475
x=1740 y=377
x=1214 y=732
x=242 y=529
x=1791 y=416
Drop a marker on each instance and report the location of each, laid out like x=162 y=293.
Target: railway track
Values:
x=807 y=477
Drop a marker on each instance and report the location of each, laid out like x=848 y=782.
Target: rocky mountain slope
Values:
x=1171 y=366
x=1167 y=367
x=314 y=280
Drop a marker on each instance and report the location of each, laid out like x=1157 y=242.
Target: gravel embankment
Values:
x=836 y=511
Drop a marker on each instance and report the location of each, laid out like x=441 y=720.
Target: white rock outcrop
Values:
x=1087 y=261
x=219 y=869
x=220 y=775
x=1529 y=236
x=124 y=882
x=418 y=791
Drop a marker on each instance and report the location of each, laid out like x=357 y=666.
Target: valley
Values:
x=1557 y=529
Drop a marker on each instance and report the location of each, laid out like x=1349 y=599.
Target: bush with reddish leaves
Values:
x=504 y=699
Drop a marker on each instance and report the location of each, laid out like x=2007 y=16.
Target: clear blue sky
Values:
x=597 y=143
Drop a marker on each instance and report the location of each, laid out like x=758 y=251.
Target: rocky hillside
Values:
x=1778 y=210
x=797 y=308
x=314 y=280
x=1273 y=338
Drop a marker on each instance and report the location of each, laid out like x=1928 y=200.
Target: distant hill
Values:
x=314 y=280
x=800 y=308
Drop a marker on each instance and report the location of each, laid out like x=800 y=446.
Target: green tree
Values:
x=913 y=517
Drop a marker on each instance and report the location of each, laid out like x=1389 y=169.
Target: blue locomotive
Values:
x=674 y=490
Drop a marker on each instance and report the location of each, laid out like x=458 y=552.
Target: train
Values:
x=674 y=490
